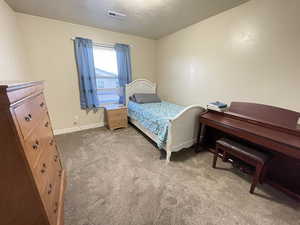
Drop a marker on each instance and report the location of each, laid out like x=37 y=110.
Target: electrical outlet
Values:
x=76 y=118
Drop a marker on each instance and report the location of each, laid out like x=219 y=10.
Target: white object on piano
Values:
x=216 y=108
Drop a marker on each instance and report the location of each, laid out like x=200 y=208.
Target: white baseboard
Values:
x=78 y=128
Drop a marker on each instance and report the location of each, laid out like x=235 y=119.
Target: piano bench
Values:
x=244 y=153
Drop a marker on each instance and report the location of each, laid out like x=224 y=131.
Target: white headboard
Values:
x=139 y=86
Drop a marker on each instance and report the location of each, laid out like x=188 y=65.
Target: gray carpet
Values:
x=116 y=178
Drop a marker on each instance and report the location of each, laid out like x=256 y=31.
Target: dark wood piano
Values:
x=267 y=128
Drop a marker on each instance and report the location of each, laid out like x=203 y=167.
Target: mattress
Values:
x=155 y=117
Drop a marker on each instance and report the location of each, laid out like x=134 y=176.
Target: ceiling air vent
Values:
x=116 y=15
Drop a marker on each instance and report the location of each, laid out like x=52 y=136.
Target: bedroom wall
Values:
x=12 y=58
x=249 y=53
x=51 y=57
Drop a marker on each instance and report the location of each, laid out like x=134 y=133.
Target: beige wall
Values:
x=12 y=58
x=51 y=57
x=250 y=53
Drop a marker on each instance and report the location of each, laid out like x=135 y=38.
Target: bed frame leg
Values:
x=168 y=156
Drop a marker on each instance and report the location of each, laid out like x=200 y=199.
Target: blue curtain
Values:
x=86 y=73
x=124 y=68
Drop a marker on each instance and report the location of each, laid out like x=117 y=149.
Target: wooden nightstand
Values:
x=116 y=116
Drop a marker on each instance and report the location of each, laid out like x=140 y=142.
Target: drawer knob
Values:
x=55 y=158
x=50 y=189
x=35 y=146
x=56 y=207
x=44 y=166
x=28 y=117
x=47 y=124
x=51 y=142
x=60 y=173
x=42 y=104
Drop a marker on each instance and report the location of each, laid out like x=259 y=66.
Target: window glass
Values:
x=106 y=69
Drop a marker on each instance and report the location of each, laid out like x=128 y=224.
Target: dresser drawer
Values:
x=48 y=168
x=51 y=201
x=52 y=191
x=40 y=139
x=30 y=113
x=42 y=171
x=33 y=149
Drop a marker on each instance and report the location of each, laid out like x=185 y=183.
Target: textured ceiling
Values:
x=147 y=18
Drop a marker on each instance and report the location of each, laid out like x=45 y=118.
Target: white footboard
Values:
x=183 y=129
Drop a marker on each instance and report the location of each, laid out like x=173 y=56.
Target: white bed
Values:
x=182 y=129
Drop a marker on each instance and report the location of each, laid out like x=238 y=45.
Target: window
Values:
x=106 y=69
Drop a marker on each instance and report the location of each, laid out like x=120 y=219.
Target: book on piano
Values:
x=217 y=106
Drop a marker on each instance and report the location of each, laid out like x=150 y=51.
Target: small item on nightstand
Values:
x=116 y=116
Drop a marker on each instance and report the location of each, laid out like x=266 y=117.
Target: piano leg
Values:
x=256 y=177
x=200 y=137
x=215 y=158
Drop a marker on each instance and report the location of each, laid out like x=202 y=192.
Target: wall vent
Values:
x=116 y=15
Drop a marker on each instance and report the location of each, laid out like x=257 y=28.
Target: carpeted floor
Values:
x=116 y=178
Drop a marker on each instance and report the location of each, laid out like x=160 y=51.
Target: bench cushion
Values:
x=242 y=149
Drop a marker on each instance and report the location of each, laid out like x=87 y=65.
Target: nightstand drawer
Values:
x=117 y=112
x=116 y=118
x=118 y=124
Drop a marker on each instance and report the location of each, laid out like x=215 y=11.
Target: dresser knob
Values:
x=55 y=158
x=56 y=207
x=51 y=142
x=35 y=146
x=50 y=189
x=42 y=104
x=28 y=118
x=47 y=124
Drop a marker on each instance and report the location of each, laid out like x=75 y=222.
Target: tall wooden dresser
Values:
x=32 y=180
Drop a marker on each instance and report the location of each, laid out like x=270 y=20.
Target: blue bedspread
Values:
x=155 y=117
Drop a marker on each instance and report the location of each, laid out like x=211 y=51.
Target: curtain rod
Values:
x=106 y=45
